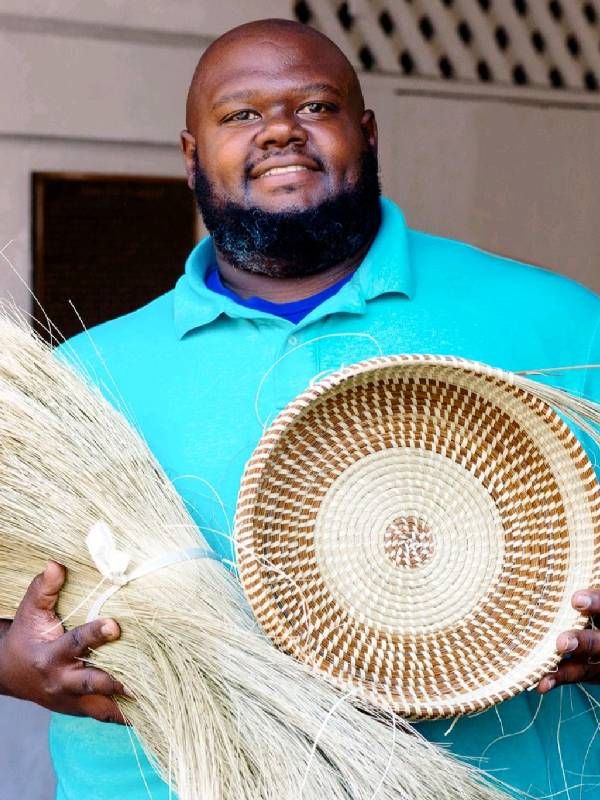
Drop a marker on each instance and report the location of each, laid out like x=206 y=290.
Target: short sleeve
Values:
x=591 y=390
x=592 y=378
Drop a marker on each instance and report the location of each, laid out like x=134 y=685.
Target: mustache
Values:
x=280 y=153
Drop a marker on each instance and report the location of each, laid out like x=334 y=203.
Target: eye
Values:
x=245 y=115
x=317 y=107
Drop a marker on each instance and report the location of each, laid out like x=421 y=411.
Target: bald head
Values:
x=289 y=39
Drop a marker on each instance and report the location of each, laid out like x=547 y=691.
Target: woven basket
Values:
x=413 y=527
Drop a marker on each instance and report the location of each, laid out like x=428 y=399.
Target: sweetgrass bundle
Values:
x=222 y=713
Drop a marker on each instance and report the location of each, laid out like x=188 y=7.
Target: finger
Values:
x=77 y=642
x=90 y=680
x=102 y=709
x=587 y=601
x=42 y=593
x=580 y=645
x=567 y=672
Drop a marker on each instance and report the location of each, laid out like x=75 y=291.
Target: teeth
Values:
x=283 y=170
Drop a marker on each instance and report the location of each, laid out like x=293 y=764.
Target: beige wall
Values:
x=521 y=179
x=191 y=17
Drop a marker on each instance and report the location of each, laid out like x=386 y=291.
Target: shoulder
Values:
x=477 y=271
x=138 y=329
x=122 y=346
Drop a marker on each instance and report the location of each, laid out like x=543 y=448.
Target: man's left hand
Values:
x=581 y=649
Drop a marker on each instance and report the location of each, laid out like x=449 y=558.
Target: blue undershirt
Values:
x=293 y=312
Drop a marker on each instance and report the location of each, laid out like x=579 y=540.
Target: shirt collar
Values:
x=385 y=269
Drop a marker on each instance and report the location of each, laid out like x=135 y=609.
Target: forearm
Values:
x=4 y=626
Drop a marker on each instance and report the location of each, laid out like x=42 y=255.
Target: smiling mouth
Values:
x=285 y=170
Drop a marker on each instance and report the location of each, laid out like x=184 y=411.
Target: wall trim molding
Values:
x=45 y=138
x=69 y=28
x=462 y=90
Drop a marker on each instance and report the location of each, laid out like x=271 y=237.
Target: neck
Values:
x=285 y=290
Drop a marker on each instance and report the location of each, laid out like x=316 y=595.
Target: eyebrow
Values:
x=306 y=89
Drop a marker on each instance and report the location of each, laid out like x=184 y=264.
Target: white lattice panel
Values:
x=544 y=44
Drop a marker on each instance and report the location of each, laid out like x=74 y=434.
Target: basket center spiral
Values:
x=392 y=527
x=408 y=542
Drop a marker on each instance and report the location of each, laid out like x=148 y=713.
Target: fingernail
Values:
x=550 y=684
x=582 y=601
x=109 y=630
x=568 y=644
x=128 y=693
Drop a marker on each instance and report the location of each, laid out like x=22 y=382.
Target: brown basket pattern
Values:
x=413 y=528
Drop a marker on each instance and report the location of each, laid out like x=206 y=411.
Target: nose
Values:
x=281 y=130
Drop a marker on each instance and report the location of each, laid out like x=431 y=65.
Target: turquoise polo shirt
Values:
x=200 y=376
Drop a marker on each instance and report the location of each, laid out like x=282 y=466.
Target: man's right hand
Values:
x=42 y=663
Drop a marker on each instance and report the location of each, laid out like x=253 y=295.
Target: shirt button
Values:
x=293 y=340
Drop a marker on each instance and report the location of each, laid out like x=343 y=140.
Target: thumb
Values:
x=42 y=594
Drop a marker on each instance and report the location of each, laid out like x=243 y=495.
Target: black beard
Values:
x=295 y=243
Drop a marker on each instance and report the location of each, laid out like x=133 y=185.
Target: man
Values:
x=306 y=269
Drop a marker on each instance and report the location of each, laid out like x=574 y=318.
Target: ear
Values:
x=188 y=147
x=368 y=123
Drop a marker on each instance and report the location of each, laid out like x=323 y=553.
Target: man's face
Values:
x=278 y=124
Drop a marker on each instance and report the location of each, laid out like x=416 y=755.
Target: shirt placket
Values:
x=296 y=365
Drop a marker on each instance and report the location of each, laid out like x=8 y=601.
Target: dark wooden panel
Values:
x=108 y=244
